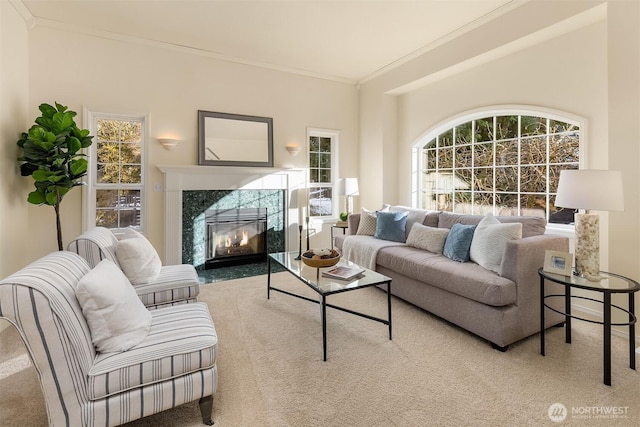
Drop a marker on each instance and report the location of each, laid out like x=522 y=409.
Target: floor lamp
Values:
x=599 y=190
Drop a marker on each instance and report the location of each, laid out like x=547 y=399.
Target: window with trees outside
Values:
x=322 y=166
x=507 y=164
x=116 y=187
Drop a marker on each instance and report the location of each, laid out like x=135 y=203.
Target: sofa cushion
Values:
x=391 y=226
x=489 y=241
x=116 y=317
x=468 y=279
x=428 y=238
x=182 y=339
x=458 y=242
x=413 y=216
x=531 y=226
x=431 y=219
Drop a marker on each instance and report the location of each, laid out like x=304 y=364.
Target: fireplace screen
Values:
x=235 y=236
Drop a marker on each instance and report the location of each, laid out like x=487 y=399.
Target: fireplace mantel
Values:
x=190 y=177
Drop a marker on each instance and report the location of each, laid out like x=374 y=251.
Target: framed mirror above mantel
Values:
x=226 y=139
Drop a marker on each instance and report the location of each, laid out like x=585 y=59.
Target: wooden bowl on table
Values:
x=321 y=258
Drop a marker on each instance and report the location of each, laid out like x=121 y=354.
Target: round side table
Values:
x=608 y=285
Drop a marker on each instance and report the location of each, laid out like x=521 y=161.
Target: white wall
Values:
x=171 y=86
x=13 y=113
x=521 y=28
x=568 y=73
x=623 y=62
x=581 y=57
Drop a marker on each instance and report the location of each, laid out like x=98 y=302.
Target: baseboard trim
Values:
x=619 y=331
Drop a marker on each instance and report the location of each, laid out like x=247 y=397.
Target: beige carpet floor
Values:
x=271 y=371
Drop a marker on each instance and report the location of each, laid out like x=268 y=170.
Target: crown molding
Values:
x=574 y=23
x=506 y=8
x=24 y=12
x=92 y=32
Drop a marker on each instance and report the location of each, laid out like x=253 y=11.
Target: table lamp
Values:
x=349 y=188
x=587 y=189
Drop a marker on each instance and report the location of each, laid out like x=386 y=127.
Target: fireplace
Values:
x=235 y=236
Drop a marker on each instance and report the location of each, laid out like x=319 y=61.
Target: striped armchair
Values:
x=176 y=284
x=175 y=364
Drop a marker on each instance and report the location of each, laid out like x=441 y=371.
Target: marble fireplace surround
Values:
x=185 y=178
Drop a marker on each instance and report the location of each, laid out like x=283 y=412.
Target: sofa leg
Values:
x=206 y=407
x=499 y=348
x=559 y=325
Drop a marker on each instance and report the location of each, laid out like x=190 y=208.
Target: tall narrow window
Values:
x=505 y=163
x=322 y=167
x=116 y=190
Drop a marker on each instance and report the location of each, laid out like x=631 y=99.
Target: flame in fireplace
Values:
x=228 y=240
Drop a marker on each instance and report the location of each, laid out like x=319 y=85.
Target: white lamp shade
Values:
x=349 y=187
x=303 y=196
x=599 y=190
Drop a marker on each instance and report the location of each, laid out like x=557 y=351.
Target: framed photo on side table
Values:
x=558 y=262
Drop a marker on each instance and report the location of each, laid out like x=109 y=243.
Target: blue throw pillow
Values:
x=458 y=243
x=391 y=225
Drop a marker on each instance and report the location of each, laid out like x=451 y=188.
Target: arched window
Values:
x=506 y=161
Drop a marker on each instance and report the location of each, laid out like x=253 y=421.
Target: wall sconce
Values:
x=168 y=143
x=293 y=149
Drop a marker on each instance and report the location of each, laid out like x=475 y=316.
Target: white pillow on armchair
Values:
x=116 y=317
x=138 y=258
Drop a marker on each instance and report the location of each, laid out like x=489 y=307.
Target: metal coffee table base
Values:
x=324 y=304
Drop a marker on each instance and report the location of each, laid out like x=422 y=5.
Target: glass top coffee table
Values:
x=325 y=286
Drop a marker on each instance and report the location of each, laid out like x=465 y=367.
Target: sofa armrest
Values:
x=523 y=257
x=520 y=263
x=354 y=220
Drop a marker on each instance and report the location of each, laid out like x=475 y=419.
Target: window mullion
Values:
x=548 y=172
x=494 y=171
x=453 y=169
x=519 y=167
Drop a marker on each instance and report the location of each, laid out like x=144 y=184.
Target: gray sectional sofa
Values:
x=501 y=308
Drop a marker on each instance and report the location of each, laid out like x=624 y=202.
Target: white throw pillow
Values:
x=427 y=238
x=490 y=239
x=138 y=258
x=116 y=317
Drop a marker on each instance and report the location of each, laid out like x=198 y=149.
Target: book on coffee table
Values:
x=342 y=272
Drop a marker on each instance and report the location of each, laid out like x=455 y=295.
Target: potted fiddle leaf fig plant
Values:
x=52 y=156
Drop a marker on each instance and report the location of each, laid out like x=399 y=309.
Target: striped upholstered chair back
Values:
x=40 y=302
x=176 y=284
x=96 y=244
